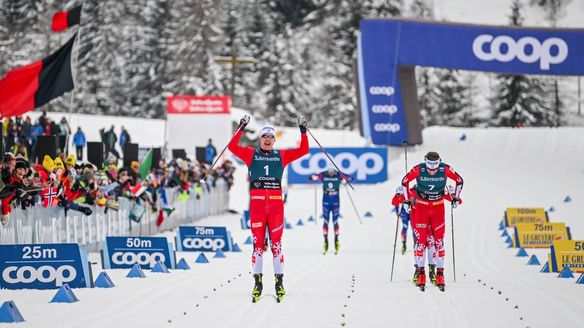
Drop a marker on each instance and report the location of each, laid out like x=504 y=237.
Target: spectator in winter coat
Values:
x=210 y=152
x=35 y=131
x=79 y=141
x=64 y=131
x=45 y=169
x=110 y=140
x=124 y=138
x=16 y=185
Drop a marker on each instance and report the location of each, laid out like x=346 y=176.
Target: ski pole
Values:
x=353 y=203
x=329 y=158
x=218 y=157
x=394 y=243
x=452 y=227
x=397 y=214
x=315 y=201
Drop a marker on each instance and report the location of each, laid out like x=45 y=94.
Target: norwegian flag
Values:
x=138 y=190
x=50 y=197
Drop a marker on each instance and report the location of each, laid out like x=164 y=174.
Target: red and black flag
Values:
x=62 y=20
x=28 y=87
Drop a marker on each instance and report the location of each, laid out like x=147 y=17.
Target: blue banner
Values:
x=386 y=44
x=124 y=252
x=203 y=239
x=364 y=165
x=245 y=220
x=43 y=266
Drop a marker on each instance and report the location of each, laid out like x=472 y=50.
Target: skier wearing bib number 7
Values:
x=331 y=202
x=266 y=208
x=427 y=203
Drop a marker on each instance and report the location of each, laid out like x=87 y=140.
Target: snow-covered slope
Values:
x=501 y=167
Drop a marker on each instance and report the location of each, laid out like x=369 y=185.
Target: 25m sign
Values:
x=43 y=266
x=203 y=239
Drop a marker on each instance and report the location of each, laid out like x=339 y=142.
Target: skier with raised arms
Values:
x=266 y=209
x=428 y=203
x=331 y=181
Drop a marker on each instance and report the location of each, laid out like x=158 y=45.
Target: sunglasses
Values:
x=269 y=136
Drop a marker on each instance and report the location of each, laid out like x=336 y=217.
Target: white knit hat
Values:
x=267 y=129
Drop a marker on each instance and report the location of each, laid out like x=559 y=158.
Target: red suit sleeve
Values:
x=456 y=177
x=409 y=177
x=6 y=204
x=397 y=199
x=244 y=153
x=290 y=155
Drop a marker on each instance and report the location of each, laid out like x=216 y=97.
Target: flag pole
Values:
x=74 y=73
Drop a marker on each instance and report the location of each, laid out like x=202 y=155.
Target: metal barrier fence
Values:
x=38 y=225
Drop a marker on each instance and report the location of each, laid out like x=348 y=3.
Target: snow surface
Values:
x=502 y=168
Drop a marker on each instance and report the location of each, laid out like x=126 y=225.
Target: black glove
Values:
x=455 y=201
x=407 y=206
x=302 y=123
x=244 y=121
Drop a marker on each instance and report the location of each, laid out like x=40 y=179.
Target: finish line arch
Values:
x=390 y=49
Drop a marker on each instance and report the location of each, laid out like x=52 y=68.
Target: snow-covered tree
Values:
x=520 y=100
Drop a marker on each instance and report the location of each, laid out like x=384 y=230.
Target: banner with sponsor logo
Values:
x=203 y=239
x=364 y=165
x=514 y=216
x=192 y=121
x=199 y=105
x=540 y=235
x=385 y=45
x=567 y=252
x=124 y=252
x=43 y=266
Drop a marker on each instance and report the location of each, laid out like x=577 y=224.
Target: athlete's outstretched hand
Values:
x=244 y=121
x=302 y=123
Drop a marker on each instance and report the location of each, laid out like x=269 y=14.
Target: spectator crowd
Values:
x=67 y=182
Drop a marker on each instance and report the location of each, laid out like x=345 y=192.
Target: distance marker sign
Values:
x=540 y=235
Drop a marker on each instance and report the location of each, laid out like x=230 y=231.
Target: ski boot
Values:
x=421 y=283
x=440 y=279
x=325 y=244
x=337 y=244
x=415 y=277
x=257 y=288
x=432 y=273
x=280 y=291
x=404 y=248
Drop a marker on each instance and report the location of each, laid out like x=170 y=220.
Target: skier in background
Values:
x=266 y=208
x=428 y=203
x=331 y=202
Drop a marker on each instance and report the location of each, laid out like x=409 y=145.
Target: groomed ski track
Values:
x=501 y=167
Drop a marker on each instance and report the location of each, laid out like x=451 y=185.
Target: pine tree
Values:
x=452 y=107
x=519 y=99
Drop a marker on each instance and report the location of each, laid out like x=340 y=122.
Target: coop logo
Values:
x=180 y=105
x=387 y=127
x=527 y=49
x=45 y=274
x=365 y=164
x=383 y=91
x=142 y=258
x=384 y=109
x=206 y=243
